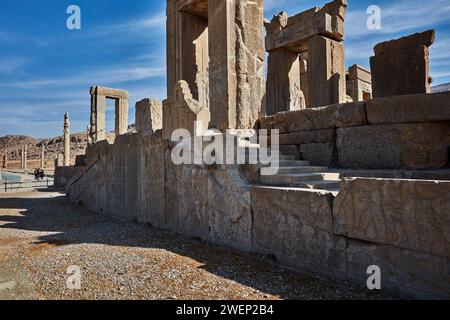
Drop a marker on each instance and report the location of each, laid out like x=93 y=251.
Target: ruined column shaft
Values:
x=66 y=141
x=326 y=72
x=25 y=158
x=98 y=118
x=121 y=118
x=283 y=91
x=236 y=68
x=42 y=157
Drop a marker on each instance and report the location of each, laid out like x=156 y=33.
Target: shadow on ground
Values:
x=76 y=225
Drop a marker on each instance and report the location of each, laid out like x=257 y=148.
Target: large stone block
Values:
x=296 y=226
x=310 y=136
x=412 y=214
x=151 y=190
x=395 y=146
x=409 y=108
x=333 y=116
x=424 y=38
x=229 y=209
x=401 y=72
x=326 y=72
x=412 y=274
x=319 y=154
x=148 y=115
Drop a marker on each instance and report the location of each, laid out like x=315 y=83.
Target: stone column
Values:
x=5 y=161
x=25 y=158
x=121 y=118
x=66 y=140
x=22 y=157
x=236 y=68
x=283 y=91
x=326 y=72
x=42 y=157
x=98 y=116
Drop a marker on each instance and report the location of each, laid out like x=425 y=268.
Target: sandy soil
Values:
x=42 y=235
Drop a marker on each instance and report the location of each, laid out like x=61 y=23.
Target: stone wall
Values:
x=400 y=225
x=402 y=132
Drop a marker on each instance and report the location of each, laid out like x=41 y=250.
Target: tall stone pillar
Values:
x=121 y=119
x=42 y=157
x=283 y=91
x=236 y=68
x=22 y=157
x=66 y=140
x=98 y=117
x=5 y=161
x=326 y=72
x=25 y=158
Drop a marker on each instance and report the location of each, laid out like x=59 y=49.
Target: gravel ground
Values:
x=41 y=235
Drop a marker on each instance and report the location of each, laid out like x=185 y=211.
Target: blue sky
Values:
x=46 y=69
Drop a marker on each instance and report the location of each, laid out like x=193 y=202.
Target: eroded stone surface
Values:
x=410 y=214
x=148 y=115
x=413 y=274
x=409 y=108
x=394 y=146
x=296 y=227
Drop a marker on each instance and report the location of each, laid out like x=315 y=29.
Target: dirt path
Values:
x=42 y=235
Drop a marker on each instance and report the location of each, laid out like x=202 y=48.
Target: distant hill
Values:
x=441 y=88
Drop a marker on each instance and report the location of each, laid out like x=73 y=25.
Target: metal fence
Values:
x=26 y=185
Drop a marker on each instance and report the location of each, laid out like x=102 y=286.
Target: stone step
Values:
x=281 y=157
x=290 y=179
x=301 y=169
x=328 y=185
x=290 y=163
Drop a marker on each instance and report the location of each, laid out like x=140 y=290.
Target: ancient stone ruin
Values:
x=358 y=183
x=98 y=112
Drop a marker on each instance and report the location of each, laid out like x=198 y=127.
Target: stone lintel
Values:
x=295 y=33
x=418 y=39
x=110 y=93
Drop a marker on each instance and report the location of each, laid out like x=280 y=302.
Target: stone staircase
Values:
x=294 y=173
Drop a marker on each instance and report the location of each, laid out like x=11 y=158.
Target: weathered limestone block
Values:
x=359 y=83
x=412 y=274
x=326 y=72
x=109 y=92
x=236 y=48
x=289 y=149
x=294 y=34
x=296 y=226
x=394 y=146
x=151 y=190
x=418 y=39
x=412 y=214
x=310 y=136
x=409 y=108
x=182 y=111
x=402 y=66
x=283 y=92
x=334 y=116
x=186 y=199
x=229 y=209
x=121 y=116
x=319 y=154
x=148 y=116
